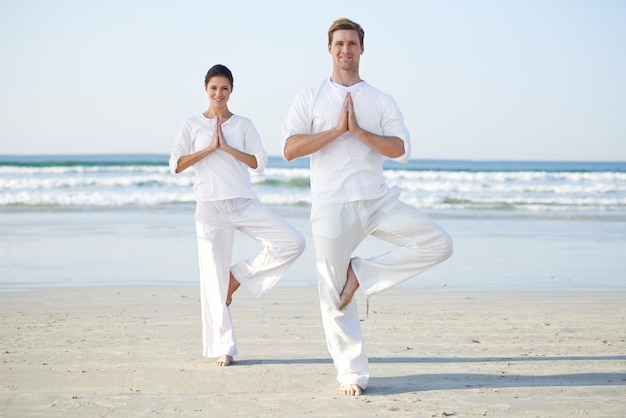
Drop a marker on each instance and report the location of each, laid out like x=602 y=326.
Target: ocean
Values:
x=444 y=187
x=85 y=220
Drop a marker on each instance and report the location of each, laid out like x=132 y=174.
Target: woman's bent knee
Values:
x=447 y=247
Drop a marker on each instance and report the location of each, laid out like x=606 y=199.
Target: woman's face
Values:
x=218 y=90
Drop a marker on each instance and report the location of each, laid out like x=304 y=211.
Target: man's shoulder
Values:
x=367 y=87
x=313 y=88
x=312 y=92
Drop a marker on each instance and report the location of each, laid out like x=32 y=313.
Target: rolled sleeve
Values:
x=404 y=158
x=174 y=162
x=393 y=125
x=254 y=145
x=261 y=160
x=182 y=146
x=298 y=119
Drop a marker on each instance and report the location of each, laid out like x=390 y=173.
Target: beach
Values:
x=100 y=310
x=99 y=317
x=133 y=351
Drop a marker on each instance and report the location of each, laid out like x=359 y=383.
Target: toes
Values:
x=350 y=390
x=223 y=361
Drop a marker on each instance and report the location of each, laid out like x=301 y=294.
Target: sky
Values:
x=475 y=80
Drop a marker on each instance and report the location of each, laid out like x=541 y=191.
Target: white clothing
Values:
x=196 y=133
x=337 y=230
x=282 y=245
x=226 y=202
x=346 y=169
x=351 y=201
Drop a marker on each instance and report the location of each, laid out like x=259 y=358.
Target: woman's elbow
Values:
x=179 y=167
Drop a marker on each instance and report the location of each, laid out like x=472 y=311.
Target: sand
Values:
x=134 y=351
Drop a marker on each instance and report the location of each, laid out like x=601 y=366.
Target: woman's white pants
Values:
x=337 y=230
x=216 y=223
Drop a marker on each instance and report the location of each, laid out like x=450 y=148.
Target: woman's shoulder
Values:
x=237 y=119
x=194 y=119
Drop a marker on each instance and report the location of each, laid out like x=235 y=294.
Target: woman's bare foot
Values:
x=224 y=361
x=349 y=289
x=350 y=390
x=233 y=285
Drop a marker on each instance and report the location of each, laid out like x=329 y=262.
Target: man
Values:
x=349 y=128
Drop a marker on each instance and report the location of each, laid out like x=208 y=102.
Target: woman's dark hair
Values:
x=218 y=70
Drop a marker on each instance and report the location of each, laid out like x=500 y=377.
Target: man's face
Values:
x=346 y=49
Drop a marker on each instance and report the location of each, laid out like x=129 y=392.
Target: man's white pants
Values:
x=216 y=223
x=337 y=230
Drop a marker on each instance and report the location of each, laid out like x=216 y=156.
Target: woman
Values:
x=222 y=147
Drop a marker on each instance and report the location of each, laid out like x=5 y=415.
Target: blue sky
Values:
x=478 y=80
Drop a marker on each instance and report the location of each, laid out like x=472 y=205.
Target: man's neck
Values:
x=345 y=79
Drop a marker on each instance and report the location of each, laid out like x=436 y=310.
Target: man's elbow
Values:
x=396 y=154
x=289 y=153
x=289 y=156
x=400 y=153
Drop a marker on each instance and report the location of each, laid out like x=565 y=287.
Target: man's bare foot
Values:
x=233 y=285
x=224 y=361
x=349 y=289
x=350 y=390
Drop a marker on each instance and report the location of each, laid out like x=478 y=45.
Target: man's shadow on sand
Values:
x=450 y=381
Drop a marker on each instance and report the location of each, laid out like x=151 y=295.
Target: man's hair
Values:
x=345 y=24
x=218 y=70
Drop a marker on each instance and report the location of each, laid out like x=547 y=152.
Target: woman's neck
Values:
x=211 y=113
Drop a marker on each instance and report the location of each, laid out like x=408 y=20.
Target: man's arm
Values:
x=300 y=145
x=389 y=146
